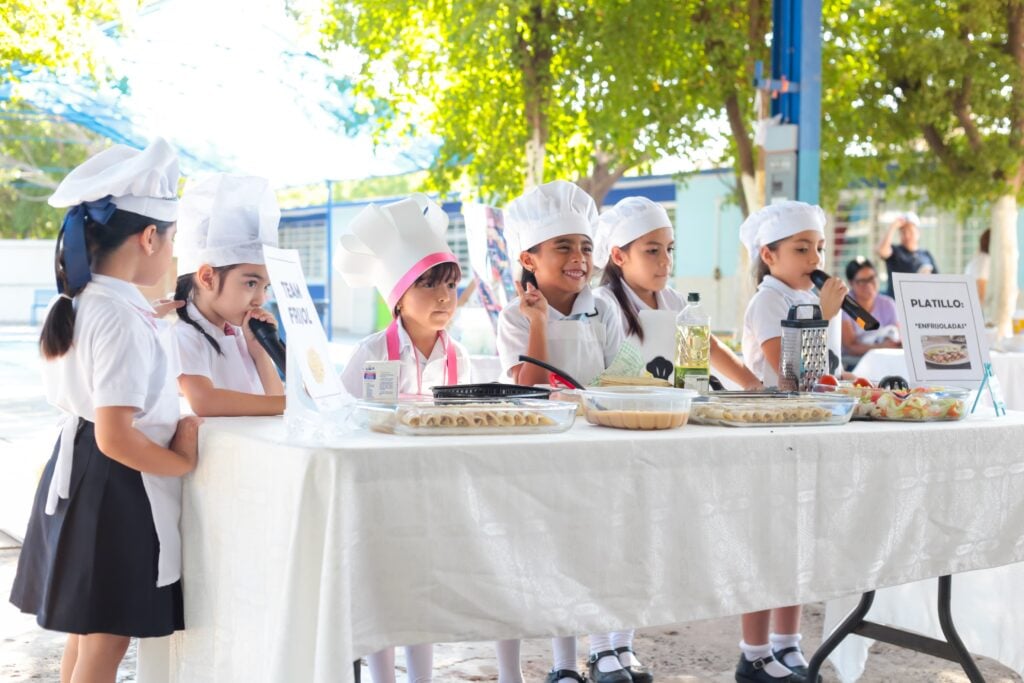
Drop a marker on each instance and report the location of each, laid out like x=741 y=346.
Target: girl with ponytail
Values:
x=635 y=245
x=101 y=559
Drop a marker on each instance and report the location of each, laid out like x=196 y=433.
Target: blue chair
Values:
x=41 y=299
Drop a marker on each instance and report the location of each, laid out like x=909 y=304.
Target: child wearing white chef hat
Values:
x=225 y=222
x=557 y=319
x=101 y=559
x=635 y=246
x=786 y=242
x=400 y=249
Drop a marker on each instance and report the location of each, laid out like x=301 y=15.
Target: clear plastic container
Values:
x=637 y=407
x=770 y=411
x=425 y=417
x=920 y=404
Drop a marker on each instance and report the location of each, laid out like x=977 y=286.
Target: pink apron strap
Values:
x=391 y=335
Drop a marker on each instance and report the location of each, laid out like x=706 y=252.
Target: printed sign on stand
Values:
x=944 y=331
x=307 y=342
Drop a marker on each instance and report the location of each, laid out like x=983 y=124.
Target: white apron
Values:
x=577 y=346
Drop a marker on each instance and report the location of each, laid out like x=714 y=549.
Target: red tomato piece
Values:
x=829 y=380
x=861 y=382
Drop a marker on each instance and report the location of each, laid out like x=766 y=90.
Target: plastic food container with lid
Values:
x=426 y=417
x=920 y=404
x=637 y=407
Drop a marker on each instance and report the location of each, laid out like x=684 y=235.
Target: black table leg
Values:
x=952 y=648
x=963 y=656
x=849 y=625
x=357 y=670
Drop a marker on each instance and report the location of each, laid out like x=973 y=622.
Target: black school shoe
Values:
x=598 y=676
x=639 y=674
x=780 y=655
x=753 y=672
x=555 y=676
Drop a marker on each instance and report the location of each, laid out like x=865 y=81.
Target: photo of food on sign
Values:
x=946 y=352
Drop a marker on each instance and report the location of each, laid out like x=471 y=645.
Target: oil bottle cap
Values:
x=693 y=297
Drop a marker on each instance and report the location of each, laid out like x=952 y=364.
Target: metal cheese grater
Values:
x=804 y=348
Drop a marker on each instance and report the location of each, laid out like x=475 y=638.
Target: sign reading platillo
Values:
x=307 y=342
x=943 y=329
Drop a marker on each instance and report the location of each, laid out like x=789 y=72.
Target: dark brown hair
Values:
x=761 y=268
x=186 y=287
x=101 y=239
x=613 y=277
x=984 y=240
x=442 y=272
x=527 y=277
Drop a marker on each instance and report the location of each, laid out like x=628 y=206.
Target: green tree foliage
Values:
x=528 y=90
x=36 y=149
x=931 y=96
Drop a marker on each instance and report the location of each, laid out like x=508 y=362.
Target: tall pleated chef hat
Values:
x=390 y=246
x=144 y=182
x=630 y=219
x=226 y=220
x=548 y=211
x=778 y=221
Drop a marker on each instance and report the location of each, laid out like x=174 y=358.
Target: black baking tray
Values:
x=493 y=391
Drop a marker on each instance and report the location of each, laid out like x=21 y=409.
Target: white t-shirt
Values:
x=232 y=369
x=978 y=268
x=667 y=299
x=514 y=331
x=418 y=374
x=763 y=321
x=122 y=356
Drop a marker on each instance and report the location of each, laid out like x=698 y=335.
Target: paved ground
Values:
x=699 y=651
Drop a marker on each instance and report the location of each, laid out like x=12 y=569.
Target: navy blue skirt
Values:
x=92 y=566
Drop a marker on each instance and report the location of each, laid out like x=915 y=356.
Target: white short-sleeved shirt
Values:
x=232 y=369
x=763 y=321
x=667 y=299
x=514 y=333
x=123 y=356
x=979 y=266
x=418 y=374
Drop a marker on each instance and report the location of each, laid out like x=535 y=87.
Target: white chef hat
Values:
x=911 y=217
x=225 y=220
x=631 y=218
x=141 y=181
x=548 y=211
x=390 y=246
x=778 y=221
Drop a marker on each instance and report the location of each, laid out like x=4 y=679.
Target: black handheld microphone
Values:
x=850 y=305
x=266 y=335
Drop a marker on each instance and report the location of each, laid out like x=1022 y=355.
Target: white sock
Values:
x=772 y=668
x=509 y=668
x=382 y=666
x=625 y=639
x=419 y=663
x=781 y=641
x=564 y=649
x=601 y=642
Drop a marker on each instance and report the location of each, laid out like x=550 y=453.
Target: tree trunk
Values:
x=1002 y=283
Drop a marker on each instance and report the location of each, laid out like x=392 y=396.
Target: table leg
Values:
x=952 y=637
x=951 y=649
x=849 y=625
x=357 y=670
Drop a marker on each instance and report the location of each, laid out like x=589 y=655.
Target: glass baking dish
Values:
x=798 y=410
x=426 y=417
x=637 y=407
x=920 y=404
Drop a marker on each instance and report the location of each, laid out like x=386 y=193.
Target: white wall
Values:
x=25 y=266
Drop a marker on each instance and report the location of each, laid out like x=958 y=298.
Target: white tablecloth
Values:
x=299 y=559
x=1008 y=366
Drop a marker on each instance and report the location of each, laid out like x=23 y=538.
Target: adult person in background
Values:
x=863 y=280
x=978 y=267
x=907 y=256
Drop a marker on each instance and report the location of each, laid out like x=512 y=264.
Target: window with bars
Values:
x=309 y=238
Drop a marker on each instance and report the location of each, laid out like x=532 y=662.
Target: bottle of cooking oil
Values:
x=693 y=345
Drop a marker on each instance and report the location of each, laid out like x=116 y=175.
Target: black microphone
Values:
x=850 y=305
x=266 y=335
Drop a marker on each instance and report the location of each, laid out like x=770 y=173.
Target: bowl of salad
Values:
x=901 y=404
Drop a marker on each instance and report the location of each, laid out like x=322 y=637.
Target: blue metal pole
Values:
x=809 y=98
